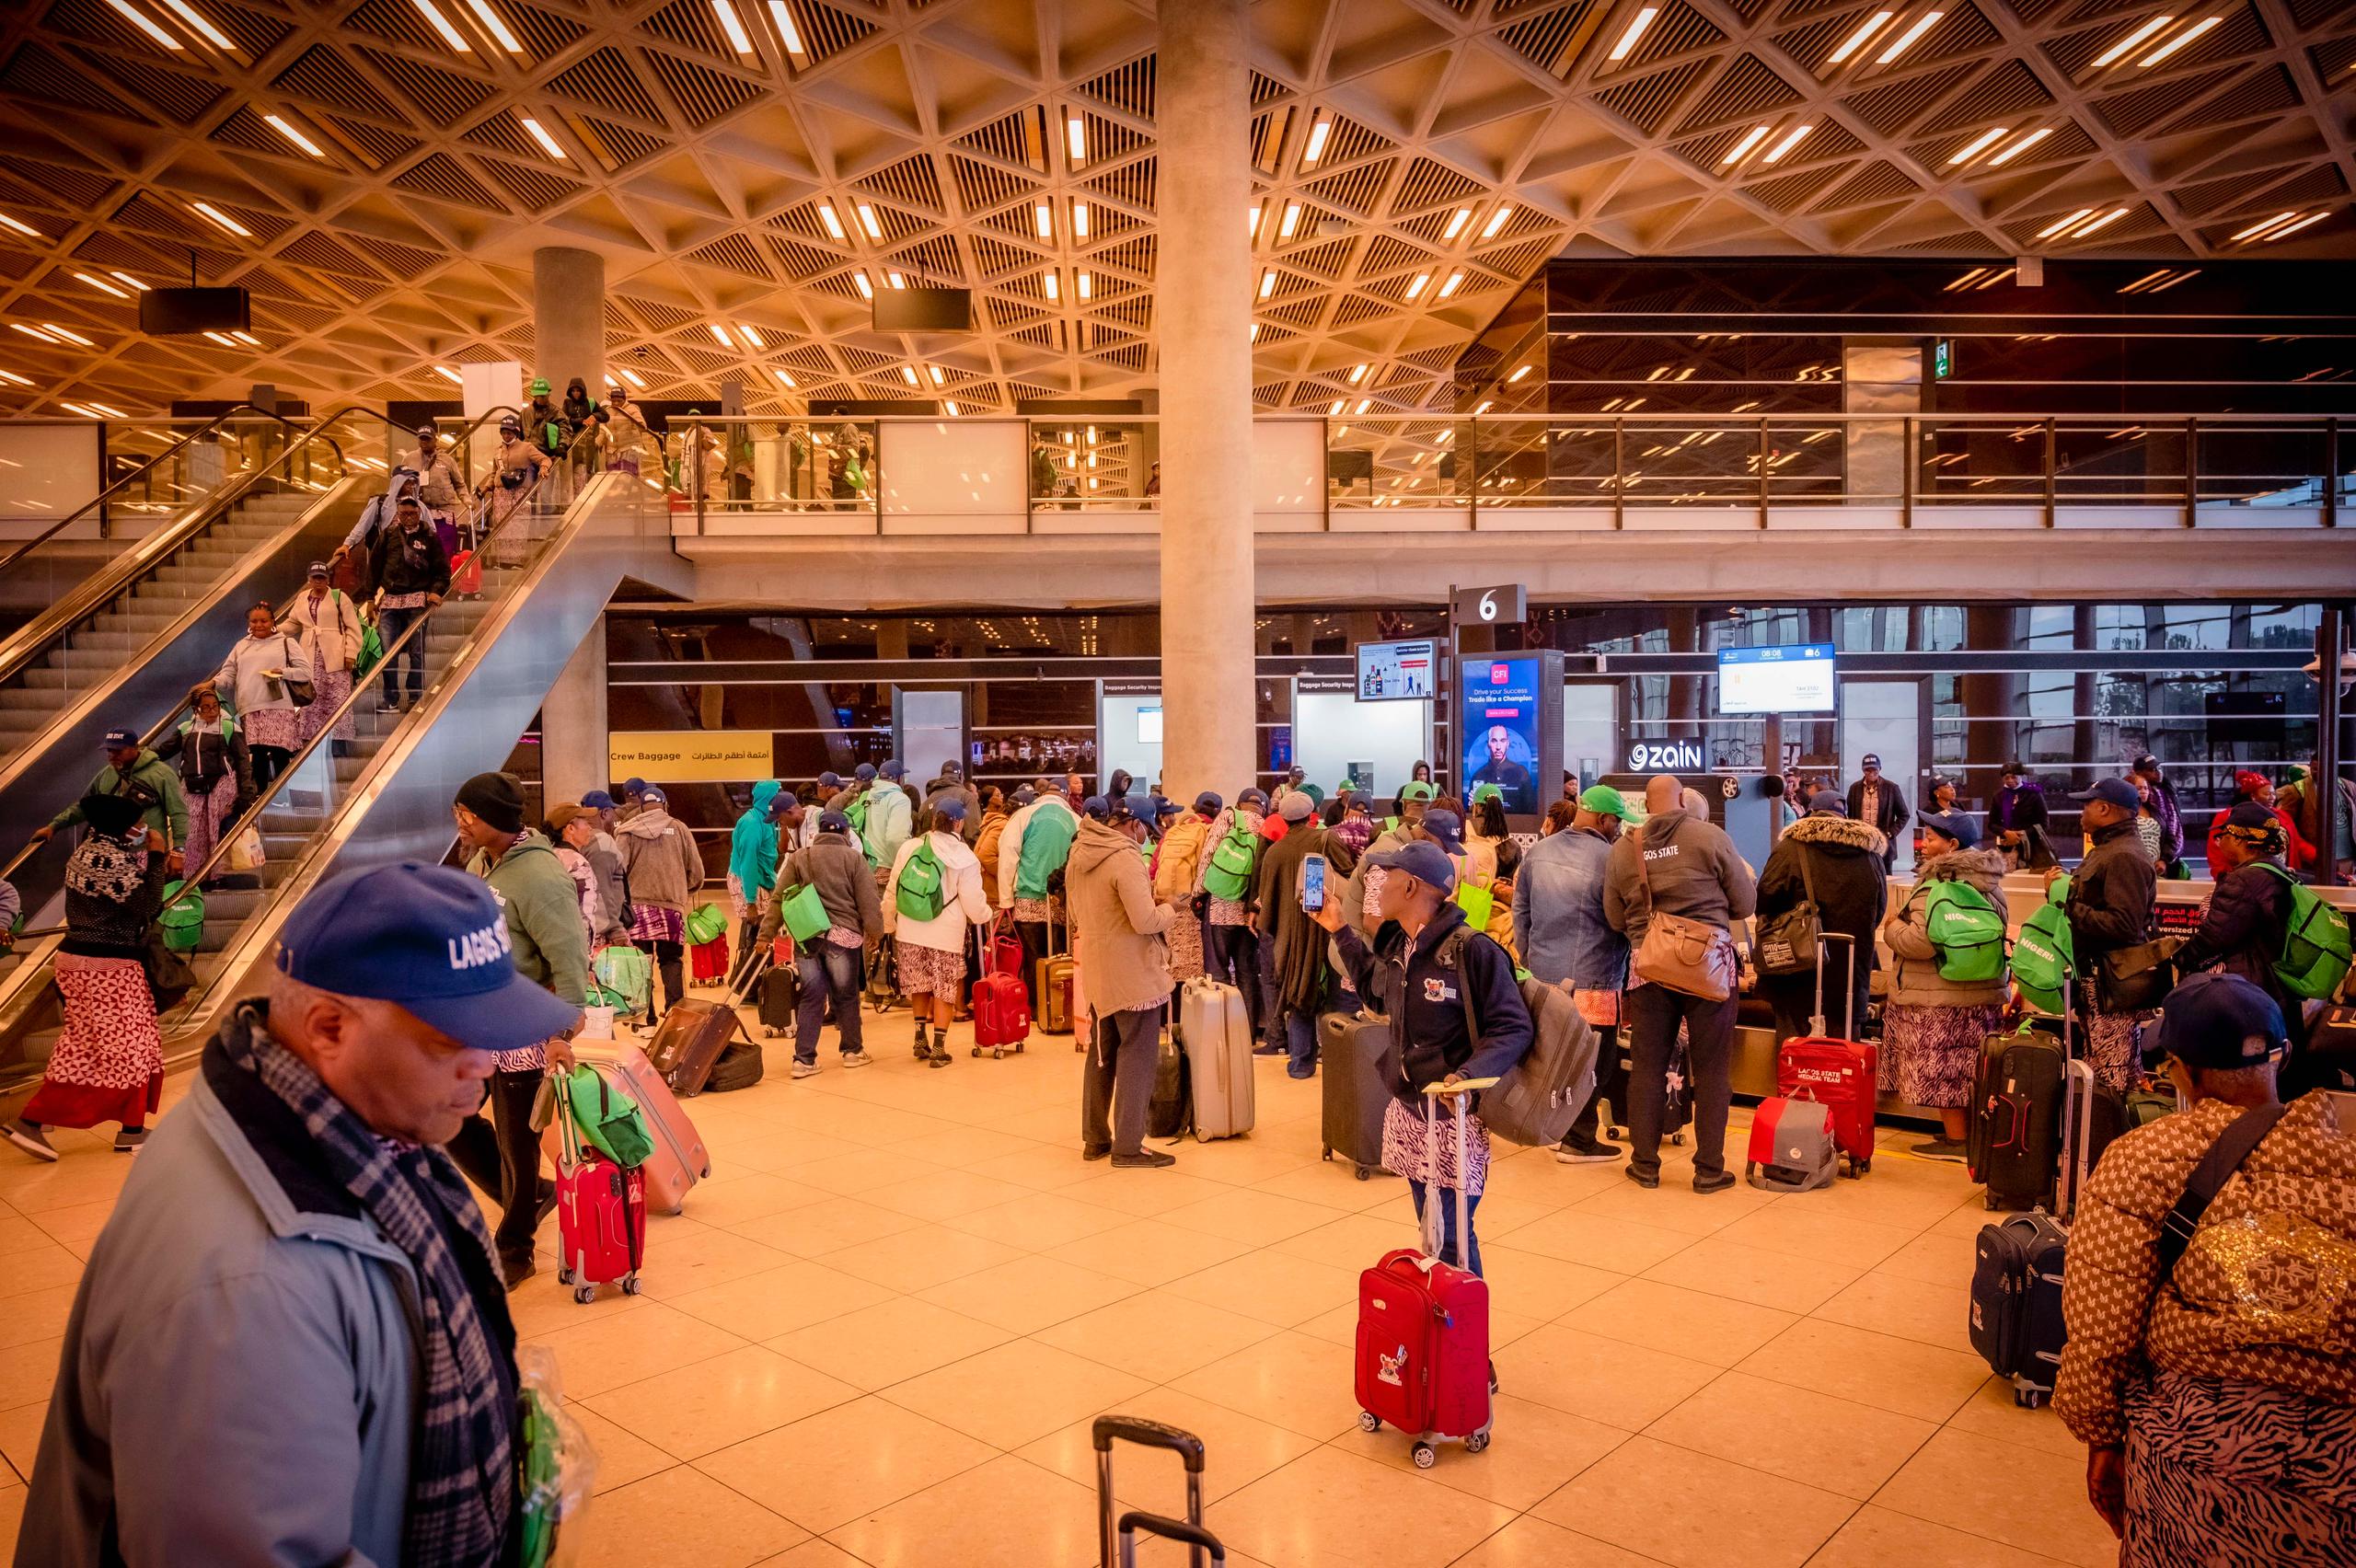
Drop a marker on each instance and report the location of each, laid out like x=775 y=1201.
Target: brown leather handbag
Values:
x=1676 y=951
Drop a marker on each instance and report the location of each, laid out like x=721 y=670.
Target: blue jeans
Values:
x=390 y=624
x=1301 y=1041
x=827 y=970
x=1451 y=1245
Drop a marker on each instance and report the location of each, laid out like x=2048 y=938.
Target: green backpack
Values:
x=2043 y=959
x=705 y=922
x=1967 y=932
x=2316 y=948
x=607 y=1120
x=1228 y=874
x=857 y=815
x=621 y=978
x=183 y=922
x=921 y=896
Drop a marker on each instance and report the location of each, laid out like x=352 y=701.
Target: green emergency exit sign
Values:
x=1942 y=358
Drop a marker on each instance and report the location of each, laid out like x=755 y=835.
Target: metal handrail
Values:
x=99 y=499
x=192 y=877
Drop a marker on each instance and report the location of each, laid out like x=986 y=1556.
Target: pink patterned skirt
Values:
x=929 y=972
x=108 y=1063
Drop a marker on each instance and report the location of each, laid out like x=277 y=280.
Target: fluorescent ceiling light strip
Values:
x=66 y=333
x=2178 y=41
x=440 y=24
x=782 y=376
x=203 y=27
x=1497 y=220
x=452 y=376
x=1905 y=40
x=859 y=281
x=1047 y=280
x=1421 y=280
x=1267 y=282
x=1076 y=136
x=128 y=280
x=1286 y=224
x=833 y=224
x=632 y=376
x=499 y=30
x=1791 y=139
x=730 y=23
x=1750 y=139
x=146 y=24
x=868 y=221
x=1636 y=26
x=101 y=285
x=24 y=228
x=2289 y=230
x=1980 y=144
x=34 y=332
x=2053 y=229
x=223 y=339
x=278 y=123
x=1456 y=222
x=720 y=333
x=1044 y=217
x=1857 y=40
x=1455 y=282
x=2131 y=40
x=752 y=338
x=13 y=378
x=1319 y=130
x=1080 y=220
x=539 y=133
x=208 y=210
x=2018 y=148
x=784 y=17
x=247 y=339
x=2255 y=229
x=2103 y=221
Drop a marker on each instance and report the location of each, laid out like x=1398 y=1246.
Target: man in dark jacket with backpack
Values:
x=1840 y=862
x=2241 y=931
x=2109 y=906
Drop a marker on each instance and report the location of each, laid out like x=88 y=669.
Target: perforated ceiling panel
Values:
x=379 y=173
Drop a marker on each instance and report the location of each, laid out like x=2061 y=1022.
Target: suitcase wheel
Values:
x=564 y=1276
x=1327 y=1155
x=585 y=1294
x=1369 y=1422
x=1477 y=1441
x=1677 y=1138
x=2029 y=1399
x=1425 y=1455
x=630 y=1284
x=1364 y=1174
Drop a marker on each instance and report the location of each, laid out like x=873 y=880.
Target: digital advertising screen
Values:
x=1511 y=706
x=1798 y=679
x=1396 y=671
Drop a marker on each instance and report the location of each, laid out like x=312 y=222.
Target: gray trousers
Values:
x=1118 y=1080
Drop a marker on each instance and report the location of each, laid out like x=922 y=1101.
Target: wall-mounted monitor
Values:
x=1510 y=729
x=1390 y=672
x=1798 y=679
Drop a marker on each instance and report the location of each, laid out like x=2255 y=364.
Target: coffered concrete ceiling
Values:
x=379 y=173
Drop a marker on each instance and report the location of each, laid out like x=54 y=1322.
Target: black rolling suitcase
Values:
x=2013 y=1145
x=780 y=998
x=1677 y=1092
x=2017 y=1302
x=1356 y=1049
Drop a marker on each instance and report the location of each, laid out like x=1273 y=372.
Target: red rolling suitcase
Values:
x=709 y=962
x=1842 y=1073
x=1423 y=1340
x=600 y=1216
x=1001 y=1008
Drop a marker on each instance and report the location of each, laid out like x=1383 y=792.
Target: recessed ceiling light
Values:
x=539 y=133
x=13 y=378
x=1497 y=220
x=1980 y=144
x=110 y=411
x=1456 y=221
x=278 y=123
x=1076 y=136
x=1635 y=30
x=205 y=29
x=2103 y=221
x=1455 y=282
x=2255 y=229
x=1267 y=282
x=2051 y=229
x=452 y=376
x=1519 y=371
x=78 y=408
x=1357 y=374
x=1857 y=40
x=1255 y=219
x=1365 y=403
x=1791 y=139
x=128 y=280
x=833 y=224
x=1044 y=218
x=34 y=332
x=1750 y=139
x=499 y=30
x=720 y=333
x=1290 y=222
x=939 y=376
x=1255 y=333
x=2178 y=41
x=67 y=333
x=752 y=338
x=440 y=24
x=867 y=220
x=784 y=17
x=1334 y=410
x=782 y=376
x=1905 y=40
x=1080 y=220
x=952 y=405
x=247 y=339
x=859 y=281
x=223 y=339
x=2131 y=40
x=2018 y=148
x=1319 y=130
x=730 y=23
x=897 y=280
x=1087 y=284
x=208 y=210
x=632 y=376
x=1047 y=280
x=146 y=24
x=23 y=229
x=1417 y=284
x=101 y=285
x=908 y=374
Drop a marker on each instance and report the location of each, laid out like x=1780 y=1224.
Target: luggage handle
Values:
x=1148 y=1434
x=1198 y=1540
x=1462 y=1093
x=1849 y=993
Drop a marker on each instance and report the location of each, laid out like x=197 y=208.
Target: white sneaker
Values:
x=805 y=1069
x=855 y=1058
x=30 y=1138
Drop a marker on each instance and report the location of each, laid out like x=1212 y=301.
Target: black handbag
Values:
x=2135 y=979
x=1786 y=942
x=169 y=975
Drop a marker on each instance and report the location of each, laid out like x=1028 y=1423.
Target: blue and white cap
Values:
x=429 y=938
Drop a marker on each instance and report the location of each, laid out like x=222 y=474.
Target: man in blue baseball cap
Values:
x=134 y=770
x=2111 y=915
x=294 y=1311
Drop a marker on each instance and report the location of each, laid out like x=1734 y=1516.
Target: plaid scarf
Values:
x=462 y=1488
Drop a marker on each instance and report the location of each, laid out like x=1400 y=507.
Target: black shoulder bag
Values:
x=1786 y=944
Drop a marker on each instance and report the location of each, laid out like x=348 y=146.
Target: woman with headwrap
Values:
x=2241 y=930
x=2297 y=852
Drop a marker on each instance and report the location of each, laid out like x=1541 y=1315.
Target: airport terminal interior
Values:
x=626 y=558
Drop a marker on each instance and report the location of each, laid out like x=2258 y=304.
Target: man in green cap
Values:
x=543 y=426
x=1414 y=802
x=1563 y=939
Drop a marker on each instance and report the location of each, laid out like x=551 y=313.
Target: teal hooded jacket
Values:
x=752 y=848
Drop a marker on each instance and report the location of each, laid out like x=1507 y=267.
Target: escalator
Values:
x=124 y=642
x=385 y=796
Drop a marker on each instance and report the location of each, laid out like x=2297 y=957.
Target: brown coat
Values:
x=1116 y=925
x=986 y=845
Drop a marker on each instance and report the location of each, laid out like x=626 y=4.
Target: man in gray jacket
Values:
x=1693 y=870
x=831 y=964
x=290 y=1343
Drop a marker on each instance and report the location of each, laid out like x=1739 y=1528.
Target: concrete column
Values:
x=573 y=734
x=569 y=319
x=1207 y=567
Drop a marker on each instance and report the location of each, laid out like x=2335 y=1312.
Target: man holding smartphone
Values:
x=1304 y=978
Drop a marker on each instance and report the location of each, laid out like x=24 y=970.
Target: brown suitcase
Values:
x=693 y=1034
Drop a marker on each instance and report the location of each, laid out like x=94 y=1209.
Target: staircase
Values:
x=30 y=702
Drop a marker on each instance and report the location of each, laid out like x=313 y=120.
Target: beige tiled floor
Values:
x=878 y=1335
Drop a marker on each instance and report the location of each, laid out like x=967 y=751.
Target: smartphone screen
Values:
x=1313 y=882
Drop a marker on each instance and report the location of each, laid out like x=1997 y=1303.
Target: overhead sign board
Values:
x=692 y=756
x=1505 y=605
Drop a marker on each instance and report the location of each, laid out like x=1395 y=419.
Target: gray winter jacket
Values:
x=660 y=858
x=837 y=868
x=1694 y=871
x=239 y=1378
x=1916 y=982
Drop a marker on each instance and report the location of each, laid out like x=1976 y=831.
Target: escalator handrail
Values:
x=102 y=587
x=191 y=877
x=23 y=547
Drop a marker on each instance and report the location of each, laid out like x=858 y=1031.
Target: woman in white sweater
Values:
x=258 y=681
x=928 y=912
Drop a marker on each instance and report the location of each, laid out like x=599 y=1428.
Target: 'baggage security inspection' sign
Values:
x=692 y=756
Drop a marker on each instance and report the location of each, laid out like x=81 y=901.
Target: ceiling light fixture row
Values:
x=1993 y=143
x=2082 y=224
x=1882 y=37
x=2279 y=226
x=2155 y=30
x=1778 y=149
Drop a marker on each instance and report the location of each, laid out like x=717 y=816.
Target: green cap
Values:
x=1418 y=791
x=540 y=386
x=1487 y=792
x=1603 y=800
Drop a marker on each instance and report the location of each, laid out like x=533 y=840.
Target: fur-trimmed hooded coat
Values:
x=1916 y=982
x=1845 y=860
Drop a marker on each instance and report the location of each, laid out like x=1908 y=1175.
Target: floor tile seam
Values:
x=1935 y=1428
x=1621 y=1437
x=1170 y=1383
x=1935 y=1345
x=810 y=1533
x=997 y=1454
x=1879 y=1501
x=1816 y=1559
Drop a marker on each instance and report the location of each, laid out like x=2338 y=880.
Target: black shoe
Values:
x=1576 y=1149
x=1143 y=1160
x=128 y=1139
x=1943 y=1149
x=1647 y=1179
x=1717 y=1182
x=544 y=1205
x=31 y=1138
x=939 y=1055
x=515 y=1268
x=1094 y=1152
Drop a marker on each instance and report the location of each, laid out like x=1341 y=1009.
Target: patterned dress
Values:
x=1406 y=1147
x=1936 y=1050
x=2114 y=1039
x=108 y=1063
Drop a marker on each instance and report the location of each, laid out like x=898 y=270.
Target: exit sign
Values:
x=1942 y=358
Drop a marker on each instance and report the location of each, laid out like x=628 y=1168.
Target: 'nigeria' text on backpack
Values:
x=1228 y=874
x=1967 y=932
x=2316 y=946
x=920 y=894
x=2043 y=956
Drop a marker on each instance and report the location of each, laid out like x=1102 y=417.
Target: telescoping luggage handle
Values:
x=1848 y=991
x=1198 y=1540
x=1151 y=1435
x=1464 y=1091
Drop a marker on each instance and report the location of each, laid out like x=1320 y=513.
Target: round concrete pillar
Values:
x=569 y=318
